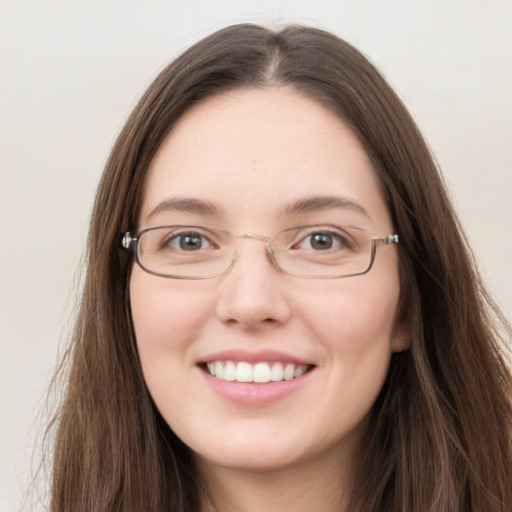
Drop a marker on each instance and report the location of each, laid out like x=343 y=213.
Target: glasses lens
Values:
x=185 y=251
x=324 y=251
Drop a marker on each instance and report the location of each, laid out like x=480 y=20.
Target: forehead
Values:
x=253 y=152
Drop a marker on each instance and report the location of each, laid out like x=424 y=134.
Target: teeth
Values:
x=260 y=372
x=219 y=370
x=243 y=372
x=299 y=370
x=229 y=371
x=276 y=373
x=289 y=371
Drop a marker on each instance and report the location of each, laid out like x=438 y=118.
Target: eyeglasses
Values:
x=204 y=252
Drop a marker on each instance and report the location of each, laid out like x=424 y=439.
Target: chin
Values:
x=250 y=461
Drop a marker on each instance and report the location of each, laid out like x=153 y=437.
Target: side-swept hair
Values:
x=440 y=431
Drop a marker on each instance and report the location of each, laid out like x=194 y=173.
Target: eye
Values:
x=187 y=241
x=321 y=241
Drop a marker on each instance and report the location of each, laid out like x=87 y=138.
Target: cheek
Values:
x=353 y=325
x=352 y=315
x=356 y=330
x=166 y=315
x=167 y=320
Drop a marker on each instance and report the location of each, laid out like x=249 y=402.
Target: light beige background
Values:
x=70 y=71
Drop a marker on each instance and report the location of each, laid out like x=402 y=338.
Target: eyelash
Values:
x=177 y=237
x=335 y=240
x=338 y=240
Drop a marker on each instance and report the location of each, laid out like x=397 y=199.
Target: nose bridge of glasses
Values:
x=267 y=240
x=254 y=236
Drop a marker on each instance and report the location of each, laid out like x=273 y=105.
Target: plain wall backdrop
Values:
x=70 y=72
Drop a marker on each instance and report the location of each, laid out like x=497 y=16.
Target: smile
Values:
x=261 y=372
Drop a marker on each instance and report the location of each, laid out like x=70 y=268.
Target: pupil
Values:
x=320 y=241
x=190 y=242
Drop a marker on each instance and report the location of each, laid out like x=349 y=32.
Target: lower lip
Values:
x=255 y=394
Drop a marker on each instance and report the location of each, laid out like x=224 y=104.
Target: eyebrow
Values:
x=305 y=205
x=322 y=203
x=186 y=205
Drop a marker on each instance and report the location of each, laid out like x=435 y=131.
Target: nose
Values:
x=253 y=293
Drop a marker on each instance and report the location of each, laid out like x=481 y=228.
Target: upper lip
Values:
x=259 y=356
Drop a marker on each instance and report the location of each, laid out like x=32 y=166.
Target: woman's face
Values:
x=260 y=161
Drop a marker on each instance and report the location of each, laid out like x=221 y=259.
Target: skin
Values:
x=251 y=153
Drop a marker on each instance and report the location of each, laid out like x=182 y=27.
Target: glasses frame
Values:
x=128 y=241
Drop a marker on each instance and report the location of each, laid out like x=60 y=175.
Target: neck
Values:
x=322 y=487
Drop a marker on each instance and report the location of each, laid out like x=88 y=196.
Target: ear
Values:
x=401 y=338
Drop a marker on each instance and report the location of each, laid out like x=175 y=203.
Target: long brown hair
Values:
x=440 y=431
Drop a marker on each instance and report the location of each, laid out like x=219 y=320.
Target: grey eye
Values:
x=191 y=241
x=321 y=241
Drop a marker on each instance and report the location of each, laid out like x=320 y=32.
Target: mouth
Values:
x=259 y=372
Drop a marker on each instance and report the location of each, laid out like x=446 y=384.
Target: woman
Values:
x=293 y=319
